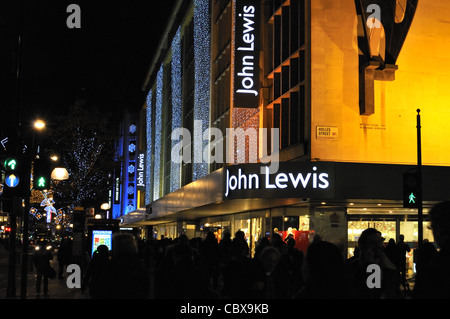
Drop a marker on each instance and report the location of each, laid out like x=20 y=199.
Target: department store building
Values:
x=295 y=116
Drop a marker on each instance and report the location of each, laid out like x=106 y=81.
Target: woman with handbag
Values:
x=41 y=260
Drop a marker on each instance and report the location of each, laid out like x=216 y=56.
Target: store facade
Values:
x=306 y=95
x=356 y=196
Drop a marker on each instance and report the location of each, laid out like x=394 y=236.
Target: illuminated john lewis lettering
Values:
x=246 y=54
x=140 y=177
x=248 y=61
x=280 y=180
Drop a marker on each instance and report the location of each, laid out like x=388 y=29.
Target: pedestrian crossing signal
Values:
x=411 y=190
x=412 y=198
x=41 y=176
x=41 y=182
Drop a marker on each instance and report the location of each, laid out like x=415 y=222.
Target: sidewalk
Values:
x=57 y=287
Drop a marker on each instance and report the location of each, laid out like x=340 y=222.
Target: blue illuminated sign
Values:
x=12 y=180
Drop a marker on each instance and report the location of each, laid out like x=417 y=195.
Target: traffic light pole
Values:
x=419 y=175
x=27 y=192
x=26 y=217
x=11 y=289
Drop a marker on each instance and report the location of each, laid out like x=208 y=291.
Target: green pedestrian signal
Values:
x=411 y=190
x=412 y=198
x=41 y=174
x=41 y=182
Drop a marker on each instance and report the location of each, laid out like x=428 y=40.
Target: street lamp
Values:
x=39 y=124
x=59 y=174
x=105 y=207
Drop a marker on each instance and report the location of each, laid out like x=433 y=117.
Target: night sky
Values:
x=106 y=60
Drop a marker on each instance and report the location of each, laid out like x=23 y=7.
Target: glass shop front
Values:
x=293 y=221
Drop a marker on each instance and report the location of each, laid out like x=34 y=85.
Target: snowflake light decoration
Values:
x=130 y=208
x=132 y=148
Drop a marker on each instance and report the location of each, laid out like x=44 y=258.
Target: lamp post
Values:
x=39 y=125
x=419 y=174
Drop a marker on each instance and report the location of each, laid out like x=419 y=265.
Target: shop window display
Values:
x=254 y=225
x=296 y=227
x=244 y=225
x=410 y=230
x=389 y=230
x=166 y=230
x=355 y=228
x=219 y=228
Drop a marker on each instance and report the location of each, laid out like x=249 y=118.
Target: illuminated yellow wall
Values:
x=421 y=81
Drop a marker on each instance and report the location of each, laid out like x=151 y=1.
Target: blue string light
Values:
x=158 y=131
x=177 y=112
x=148 y=182
x=202 y=60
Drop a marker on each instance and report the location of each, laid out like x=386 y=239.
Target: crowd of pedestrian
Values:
x=119 y=274
x=190 y=268
x=204 y=268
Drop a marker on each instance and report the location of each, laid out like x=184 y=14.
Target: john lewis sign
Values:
x=140 y=172
x=292 y=180
x=246 y=53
